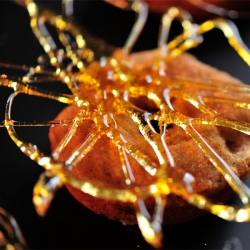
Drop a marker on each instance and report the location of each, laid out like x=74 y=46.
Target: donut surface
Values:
x=102 y=163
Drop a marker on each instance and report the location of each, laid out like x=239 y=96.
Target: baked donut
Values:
x=201 y=93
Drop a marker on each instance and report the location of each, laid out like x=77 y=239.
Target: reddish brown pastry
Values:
x=103 y=164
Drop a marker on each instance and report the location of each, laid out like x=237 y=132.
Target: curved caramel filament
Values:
x=13 y=238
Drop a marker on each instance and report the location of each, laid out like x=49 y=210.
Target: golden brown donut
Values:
x=102 y=163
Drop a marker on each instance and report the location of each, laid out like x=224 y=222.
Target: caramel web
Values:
x=162 y=92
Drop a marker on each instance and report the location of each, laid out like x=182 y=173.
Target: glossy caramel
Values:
x=104 y=89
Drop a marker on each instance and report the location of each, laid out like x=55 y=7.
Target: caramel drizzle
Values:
x=56 y=173
x=12 y=238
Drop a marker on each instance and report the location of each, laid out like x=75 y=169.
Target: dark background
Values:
x=67 y=223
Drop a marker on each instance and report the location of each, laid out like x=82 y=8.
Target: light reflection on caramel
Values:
x=11 y=237
x=108 y=101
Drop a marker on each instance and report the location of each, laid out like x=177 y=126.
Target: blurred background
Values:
x=67 y=223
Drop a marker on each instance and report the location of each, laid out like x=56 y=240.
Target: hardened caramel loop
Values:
x=111 y=101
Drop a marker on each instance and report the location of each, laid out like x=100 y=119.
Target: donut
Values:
x=196 y=92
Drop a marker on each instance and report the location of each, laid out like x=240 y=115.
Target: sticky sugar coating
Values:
x=103 y=163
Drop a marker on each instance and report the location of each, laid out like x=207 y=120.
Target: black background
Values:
x=67 y=223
